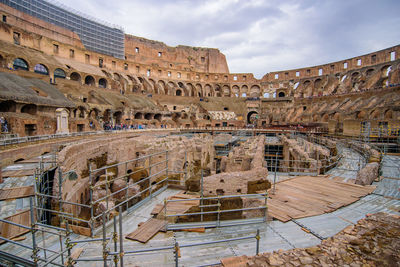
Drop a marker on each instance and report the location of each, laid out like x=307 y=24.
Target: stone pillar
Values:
x=62 y=120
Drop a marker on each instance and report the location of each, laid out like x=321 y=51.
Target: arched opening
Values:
x=148 y=116
x=103 y=83
x=82 y=111
x=20 y=64
x=117 y=116
x=266 y=95
x=244 y=94
x=59 y=73
x=29 y=108
x=75 y=77
x=8 y=106
x=281 y=94
x=252 y=117
x=3 y=63
x=180 y=84
x=157 y=117
x=178 y=92
x=41 y=69
x=89 y=80
x=139 y=116
x=369 y=72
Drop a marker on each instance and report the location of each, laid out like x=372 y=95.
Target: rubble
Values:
x=373 y=241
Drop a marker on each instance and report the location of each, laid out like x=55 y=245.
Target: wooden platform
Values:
x=179 y=207
x=18 y=173
x=147 y=230
x=306 y=196
x=16 y=192
x=11 y=231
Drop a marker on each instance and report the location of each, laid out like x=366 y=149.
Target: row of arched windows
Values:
x=21 y=64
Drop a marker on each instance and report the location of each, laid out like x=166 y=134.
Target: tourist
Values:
x=4 y=125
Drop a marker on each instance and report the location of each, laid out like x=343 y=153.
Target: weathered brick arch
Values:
x=235 y=91
x=28 y=62
x=103 y=83
x=375 y=114
x=208 y=91
x=191 y=90
x=255 y=90
x=89 y=80
x=75 y=76
x=199 y=90
x=171 y=87
x=226 y=90
x=163 y=88
x=154 y=85
x=217 y=90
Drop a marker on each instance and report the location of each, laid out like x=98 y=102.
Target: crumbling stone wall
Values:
x=111 y=150
x=247 y=156
x=302 y=156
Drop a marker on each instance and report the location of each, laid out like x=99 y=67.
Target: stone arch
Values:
x=8 y=106
x=255 y=91
x=103 y=83
x=251 y=117
x=217 y=90
x=374 y=114
x=89 y=80
x=178 y=92
x=138 y=116
x=29 y=108
x=82 y=112
x=361 y=114
x=117 y=116
x=20 y=64
x=235 y=91
x=171 y=87
x=325 y=117
x=388 y=114
x=164 y=89
x=41 y=69
x=59 y=73
x=75 y=77
x=199 y=90
x=369 y=72
x=3 y=62
x=385 y=70
x=108 y=75
x=281 y=94
x=208 y=91
x=158 y=116
x=153 y=84
x=244 y=89
x=94 y=113
x=226 y=90
x=191 y=89
x=355 y=74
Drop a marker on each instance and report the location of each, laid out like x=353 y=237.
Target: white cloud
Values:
x=259 y=36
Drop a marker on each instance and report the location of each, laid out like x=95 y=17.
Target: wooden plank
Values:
x=308 y=196
x=16 y=192
x=76 y=253
x=147 y=230
x=11 y=231
x=157 y=209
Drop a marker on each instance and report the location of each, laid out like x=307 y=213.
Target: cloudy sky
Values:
x=259 y=36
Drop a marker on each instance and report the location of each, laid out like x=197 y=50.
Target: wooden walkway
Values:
x=147 y=230
x=308 y=196
x=179 y=207
x=11 y=231
x=16 y=192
